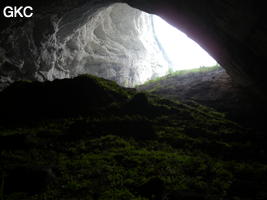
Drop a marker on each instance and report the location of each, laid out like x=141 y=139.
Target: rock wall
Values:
x=115 y=42
x=233 y=32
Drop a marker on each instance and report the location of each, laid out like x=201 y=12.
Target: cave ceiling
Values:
x=233 y=32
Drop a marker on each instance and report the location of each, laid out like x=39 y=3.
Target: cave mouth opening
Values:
x=181 y=51
x=115 y=42
x=131 y=47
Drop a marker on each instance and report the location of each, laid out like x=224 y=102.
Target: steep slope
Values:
x=212 y=87
x=88 y=138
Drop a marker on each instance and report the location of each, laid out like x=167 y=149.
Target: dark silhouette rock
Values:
x=138 y=104
x=152 y=189
x=27 y=179
x=12 y=142
x=186 y=195
x=32 y=101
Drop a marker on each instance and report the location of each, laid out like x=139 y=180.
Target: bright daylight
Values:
x=182 y=52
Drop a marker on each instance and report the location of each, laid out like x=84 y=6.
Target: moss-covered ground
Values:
x=87 y=138
x=178 y=73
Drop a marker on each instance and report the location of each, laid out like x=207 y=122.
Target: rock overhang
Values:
x=115 y=42
x=232 y=32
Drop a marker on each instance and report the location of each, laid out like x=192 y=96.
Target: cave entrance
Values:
x=130 y=46
x=181 y=52
x=115 y=42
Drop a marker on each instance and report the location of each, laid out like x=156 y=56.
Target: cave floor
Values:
x=88 y=138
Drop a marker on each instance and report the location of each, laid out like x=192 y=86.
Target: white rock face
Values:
x=116 y=43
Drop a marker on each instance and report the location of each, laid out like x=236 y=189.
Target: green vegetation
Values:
x=172 y=73
x=135 y=146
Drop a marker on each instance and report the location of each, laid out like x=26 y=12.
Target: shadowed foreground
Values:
x=88 y=138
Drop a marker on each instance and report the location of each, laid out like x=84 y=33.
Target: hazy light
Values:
x=183 y=52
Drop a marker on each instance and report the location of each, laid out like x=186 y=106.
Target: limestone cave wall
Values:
x=115 y=42
x=233 y=32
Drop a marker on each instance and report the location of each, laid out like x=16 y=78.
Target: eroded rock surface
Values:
x=115 y=42
x=234 y=33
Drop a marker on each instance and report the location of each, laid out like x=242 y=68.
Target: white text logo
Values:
x=15 y=11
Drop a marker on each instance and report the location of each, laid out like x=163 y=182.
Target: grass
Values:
x=136 y=146
x=182 y=72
